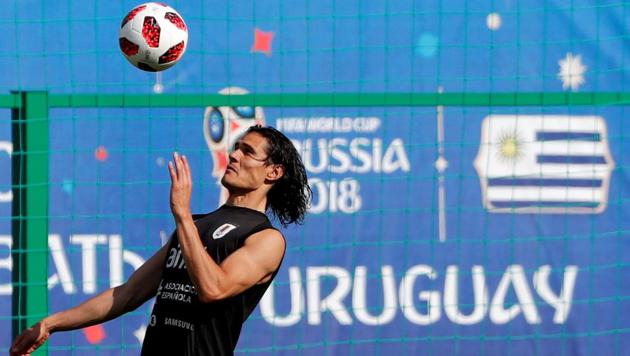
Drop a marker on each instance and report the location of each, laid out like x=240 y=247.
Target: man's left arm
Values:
x=249 y=265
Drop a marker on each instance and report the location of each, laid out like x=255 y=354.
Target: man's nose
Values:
x=234 y=156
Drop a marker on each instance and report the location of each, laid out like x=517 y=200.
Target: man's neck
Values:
x=249 y=200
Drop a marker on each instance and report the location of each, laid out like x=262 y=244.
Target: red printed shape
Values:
x=172 y=54
x=262 y=41
x=94 y=334
x=234 y=126
x=132 y=14
x=151 y=31
x=101 y=153
x=175 y=20
x=129 y=48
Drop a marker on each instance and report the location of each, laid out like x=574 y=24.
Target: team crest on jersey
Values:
x=222 y=231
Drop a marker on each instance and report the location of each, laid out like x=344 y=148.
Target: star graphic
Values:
x=427 y=45
x=510 y=147
x=571 y=71
x=101 y=153
x=262 y=41
x=68 y=186
x=493 y=21
x=94 y=334
x=441 y=164
x=139 y=333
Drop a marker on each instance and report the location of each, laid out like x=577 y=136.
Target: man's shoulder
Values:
x=267 y=235
x=196 y=217
x=243 y=221
x=205 y=216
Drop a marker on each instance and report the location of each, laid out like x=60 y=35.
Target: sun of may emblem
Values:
x=510 y=147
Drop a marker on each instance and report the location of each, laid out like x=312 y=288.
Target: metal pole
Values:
x=29 y=179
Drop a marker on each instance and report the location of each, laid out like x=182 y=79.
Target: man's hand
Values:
x=181 y=185
x=30 y=339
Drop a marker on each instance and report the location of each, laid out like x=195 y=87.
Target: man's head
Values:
x=264 y=158
x=222 y=125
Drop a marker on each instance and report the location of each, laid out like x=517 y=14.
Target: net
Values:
x=468 y=164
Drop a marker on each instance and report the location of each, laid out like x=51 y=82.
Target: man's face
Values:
x=247 y=168
x=222 y=126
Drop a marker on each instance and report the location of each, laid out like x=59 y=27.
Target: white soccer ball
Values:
x=153 y=36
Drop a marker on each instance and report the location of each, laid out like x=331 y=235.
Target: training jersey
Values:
x=180 y=324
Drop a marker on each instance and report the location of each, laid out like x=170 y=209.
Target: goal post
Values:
x=29 y=224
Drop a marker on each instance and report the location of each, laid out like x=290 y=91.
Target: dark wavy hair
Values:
x=290 y=196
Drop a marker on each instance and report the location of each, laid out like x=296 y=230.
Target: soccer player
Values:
x=217 y=266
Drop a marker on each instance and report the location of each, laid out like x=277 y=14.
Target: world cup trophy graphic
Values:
x=222 y=126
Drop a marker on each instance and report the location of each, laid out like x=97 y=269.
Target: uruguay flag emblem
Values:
x=544 y=164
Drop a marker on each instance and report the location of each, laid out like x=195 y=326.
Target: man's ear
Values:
x=275 y=172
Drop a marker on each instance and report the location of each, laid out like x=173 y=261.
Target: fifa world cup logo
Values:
x=222 y=126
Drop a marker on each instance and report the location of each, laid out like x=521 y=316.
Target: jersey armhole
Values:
x=264 y=226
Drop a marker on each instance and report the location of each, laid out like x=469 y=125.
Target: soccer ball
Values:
x=153 y=37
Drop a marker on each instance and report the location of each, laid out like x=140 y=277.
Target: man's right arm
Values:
x=141 y=286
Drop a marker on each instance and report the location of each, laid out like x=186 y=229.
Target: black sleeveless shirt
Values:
x=180 y=324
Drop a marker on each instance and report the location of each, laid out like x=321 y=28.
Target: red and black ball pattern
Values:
x=132 y=14
x=172 y=54
x=151 y=31
x=175 y=20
